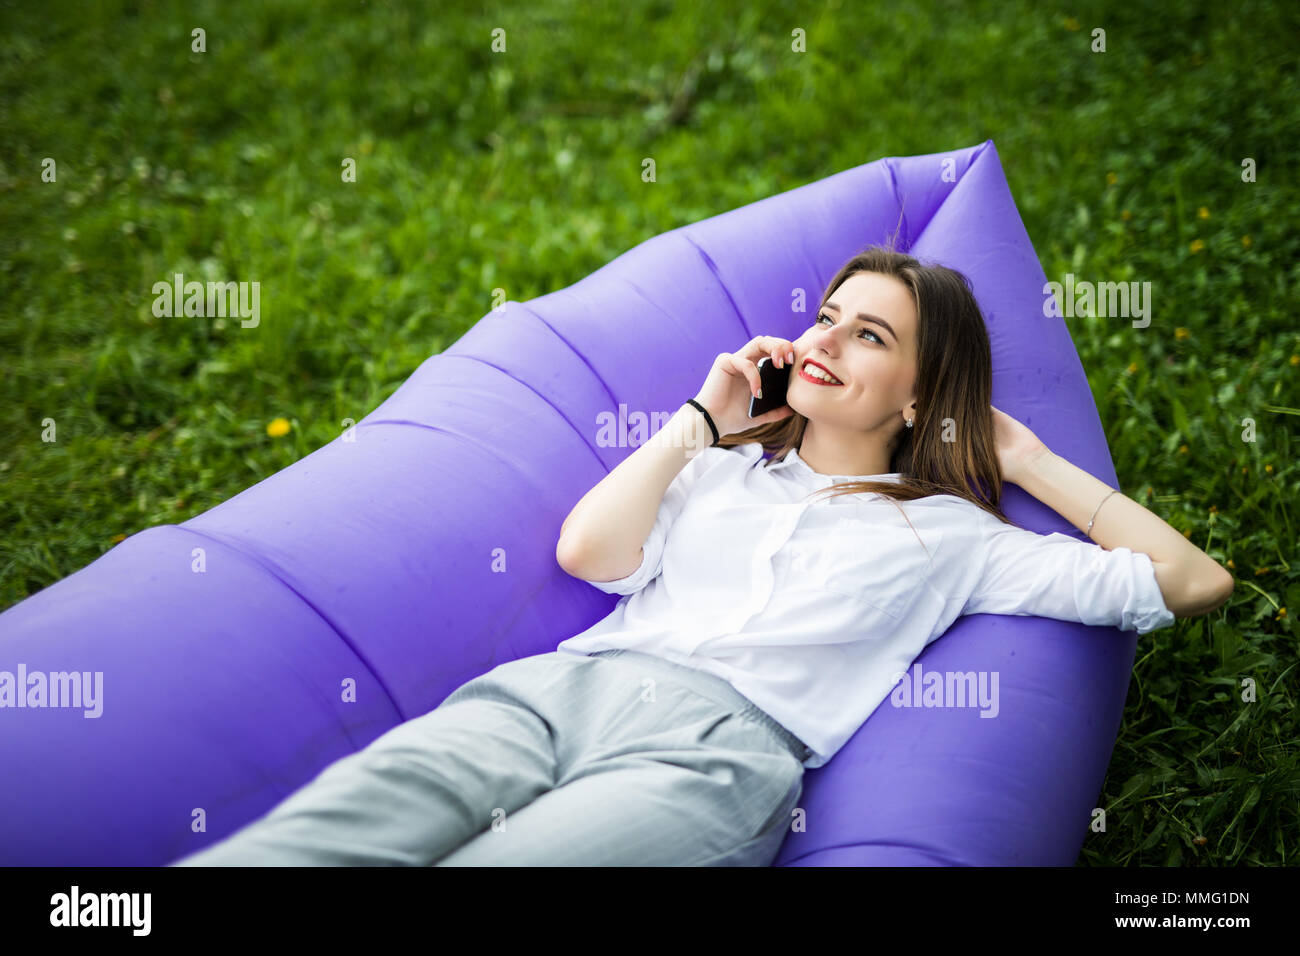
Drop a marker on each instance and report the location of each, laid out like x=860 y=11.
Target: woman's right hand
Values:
x=734 y=379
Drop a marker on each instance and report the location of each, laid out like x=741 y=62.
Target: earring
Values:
x=909 y=423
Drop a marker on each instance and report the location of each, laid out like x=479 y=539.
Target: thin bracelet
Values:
x=1094 y=514
x=708 y=418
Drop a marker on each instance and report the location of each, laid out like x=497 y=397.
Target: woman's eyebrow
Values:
x=865 y=317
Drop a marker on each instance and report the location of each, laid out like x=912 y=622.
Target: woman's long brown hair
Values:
x=951 y=448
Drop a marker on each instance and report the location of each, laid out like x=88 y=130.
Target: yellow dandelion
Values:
x=1197 y=245
x=1111 y=179
x=1181 y=333
x=1281 y=613
x=278 y=428
x=1183 y=449
x=1269 y=469
x=1295 y=360
x=1071 y=23
x=1133 y=367
x=1247 y=241
x=1232 y=564
x=1126 y=215
x=1203 y=213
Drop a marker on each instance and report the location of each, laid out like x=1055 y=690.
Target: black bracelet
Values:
x=708 y=418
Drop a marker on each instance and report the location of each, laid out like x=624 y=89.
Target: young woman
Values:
x=760 y=624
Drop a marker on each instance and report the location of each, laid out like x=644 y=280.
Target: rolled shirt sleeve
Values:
x=674 y=500
x=1057 y=576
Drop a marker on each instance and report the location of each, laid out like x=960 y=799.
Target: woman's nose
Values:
x=824 y=338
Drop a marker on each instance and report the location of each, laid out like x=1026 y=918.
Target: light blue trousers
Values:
x=617 y=759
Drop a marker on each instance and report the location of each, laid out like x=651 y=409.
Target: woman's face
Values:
x=875 y=365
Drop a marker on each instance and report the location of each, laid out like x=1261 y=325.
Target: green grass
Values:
x=522 y=171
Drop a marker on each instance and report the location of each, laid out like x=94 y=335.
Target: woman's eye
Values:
x=863 y=332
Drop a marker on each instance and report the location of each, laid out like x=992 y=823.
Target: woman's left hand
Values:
x=1017 y=446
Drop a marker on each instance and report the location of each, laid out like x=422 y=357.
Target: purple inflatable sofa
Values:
x=244 y=650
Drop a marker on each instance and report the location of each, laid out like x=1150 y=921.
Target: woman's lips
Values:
x=817 y=381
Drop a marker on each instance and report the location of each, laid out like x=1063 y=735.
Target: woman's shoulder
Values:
x=958 y=506
x=720 y=460
x=967 y=527
x=749 y=452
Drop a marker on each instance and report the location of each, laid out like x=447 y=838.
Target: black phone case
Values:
x=774 y=382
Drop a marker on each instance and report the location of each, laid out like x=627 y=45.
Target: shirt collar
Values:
x=792 y=460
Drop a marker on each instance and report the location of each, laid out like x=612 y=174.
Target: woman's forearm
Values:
x=1190 y=580
x=602 y=538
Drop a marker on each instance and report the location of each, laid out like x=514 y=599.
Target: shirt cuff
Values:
x=1146 y=610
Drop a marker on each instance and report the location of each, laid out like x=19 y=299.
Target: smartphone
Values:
x=773 y=382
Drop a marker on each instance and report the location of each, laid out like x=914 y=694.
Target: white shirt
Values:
x=812 y=609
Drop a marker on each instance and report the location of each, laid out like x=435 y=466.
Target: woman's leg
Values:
x=672 y=781
x=416 y=792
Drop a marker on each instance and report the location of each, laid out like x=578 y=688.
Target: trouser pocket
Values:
x=763 y=847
